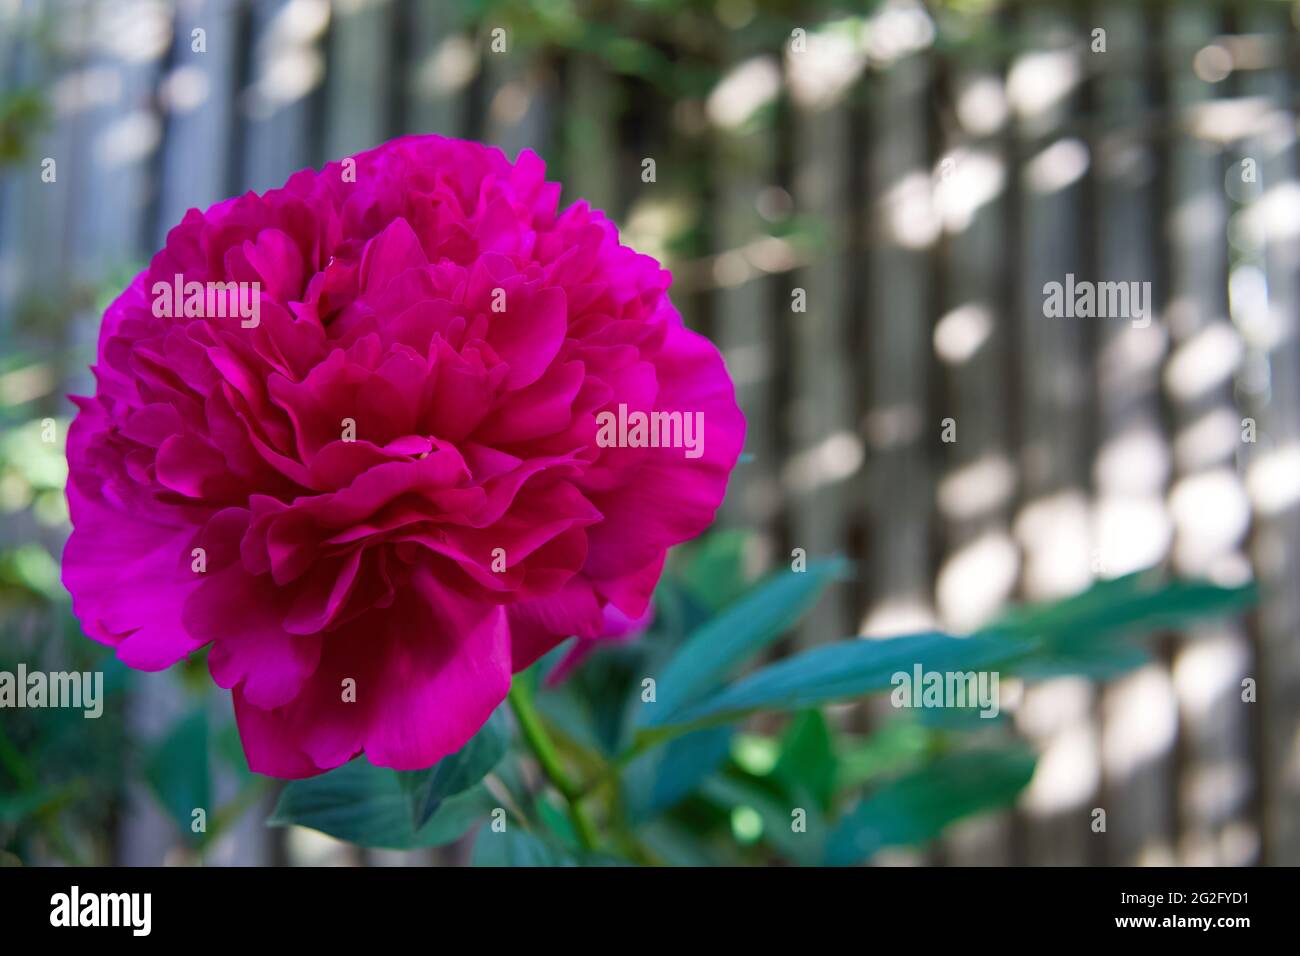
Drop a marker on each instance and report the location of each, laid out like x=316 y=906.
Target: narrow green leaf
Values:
x=847 y=669
x=1065 y=632
x=721 y=645
x=1103 y=659
x=1128 y=605
x=915 y=808
x=1094 y=634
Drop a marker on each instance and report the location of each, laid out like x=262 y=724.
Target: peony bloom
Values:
x=378 y=483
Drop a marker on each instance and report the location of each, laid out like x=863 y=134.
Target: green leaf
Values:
x=897 y=746
x=229 y=749
x=517 y=847
x=1067 y=632
x=1093 y=634
x=714 y=572
x=22 y=113
x=453 y=774
x=661 y=778
x=776 y=813
x=557 y=823
x=1103 y=659
x=847 y=669
x=675 y=844
x=807 y=764
x=712 y=653
x=915 y=808
x=17 y=807
x=177 y=772
x=1127 y=605
x=368 y=806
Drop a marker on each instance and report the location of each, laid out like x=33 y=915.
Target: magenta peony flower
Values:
x=381 y=438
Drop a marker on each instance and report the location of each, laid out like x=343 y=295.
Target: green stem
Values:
x=530 y=724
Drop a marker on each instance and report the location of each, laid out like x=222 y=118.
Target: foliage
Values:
x=669 y=751
x=22 y=113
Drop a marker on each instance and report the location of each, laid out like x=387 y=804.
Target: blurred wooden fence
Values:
x=917 y=189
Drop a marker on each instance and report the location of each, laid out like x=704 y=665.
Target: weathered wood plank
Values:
x=1270 y=387
x=981 y=563
x=444 y=61
x=1053 y=520
x=897 y=322
x=199 y=97
x=287 y=68
x=825 y=451
x=1208 y=500
x=742 y=165
x=358 y=93
x=517 y=91
x=898 y=332
x=1131 y=470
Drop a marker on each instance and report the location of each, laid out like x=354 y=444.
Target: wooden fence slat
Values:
x=898 y=429
x=1133 y=530
x=1272 y=328
x=1207 y=499
x=199 y=95
x=897 y=319
x=287 y=67
x=358 y=81
x=443 y=63
x=517 y=93
x=743 y=164
x=981 y=563
x=1053 y=520
x=595 y=170
x=825 y=450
